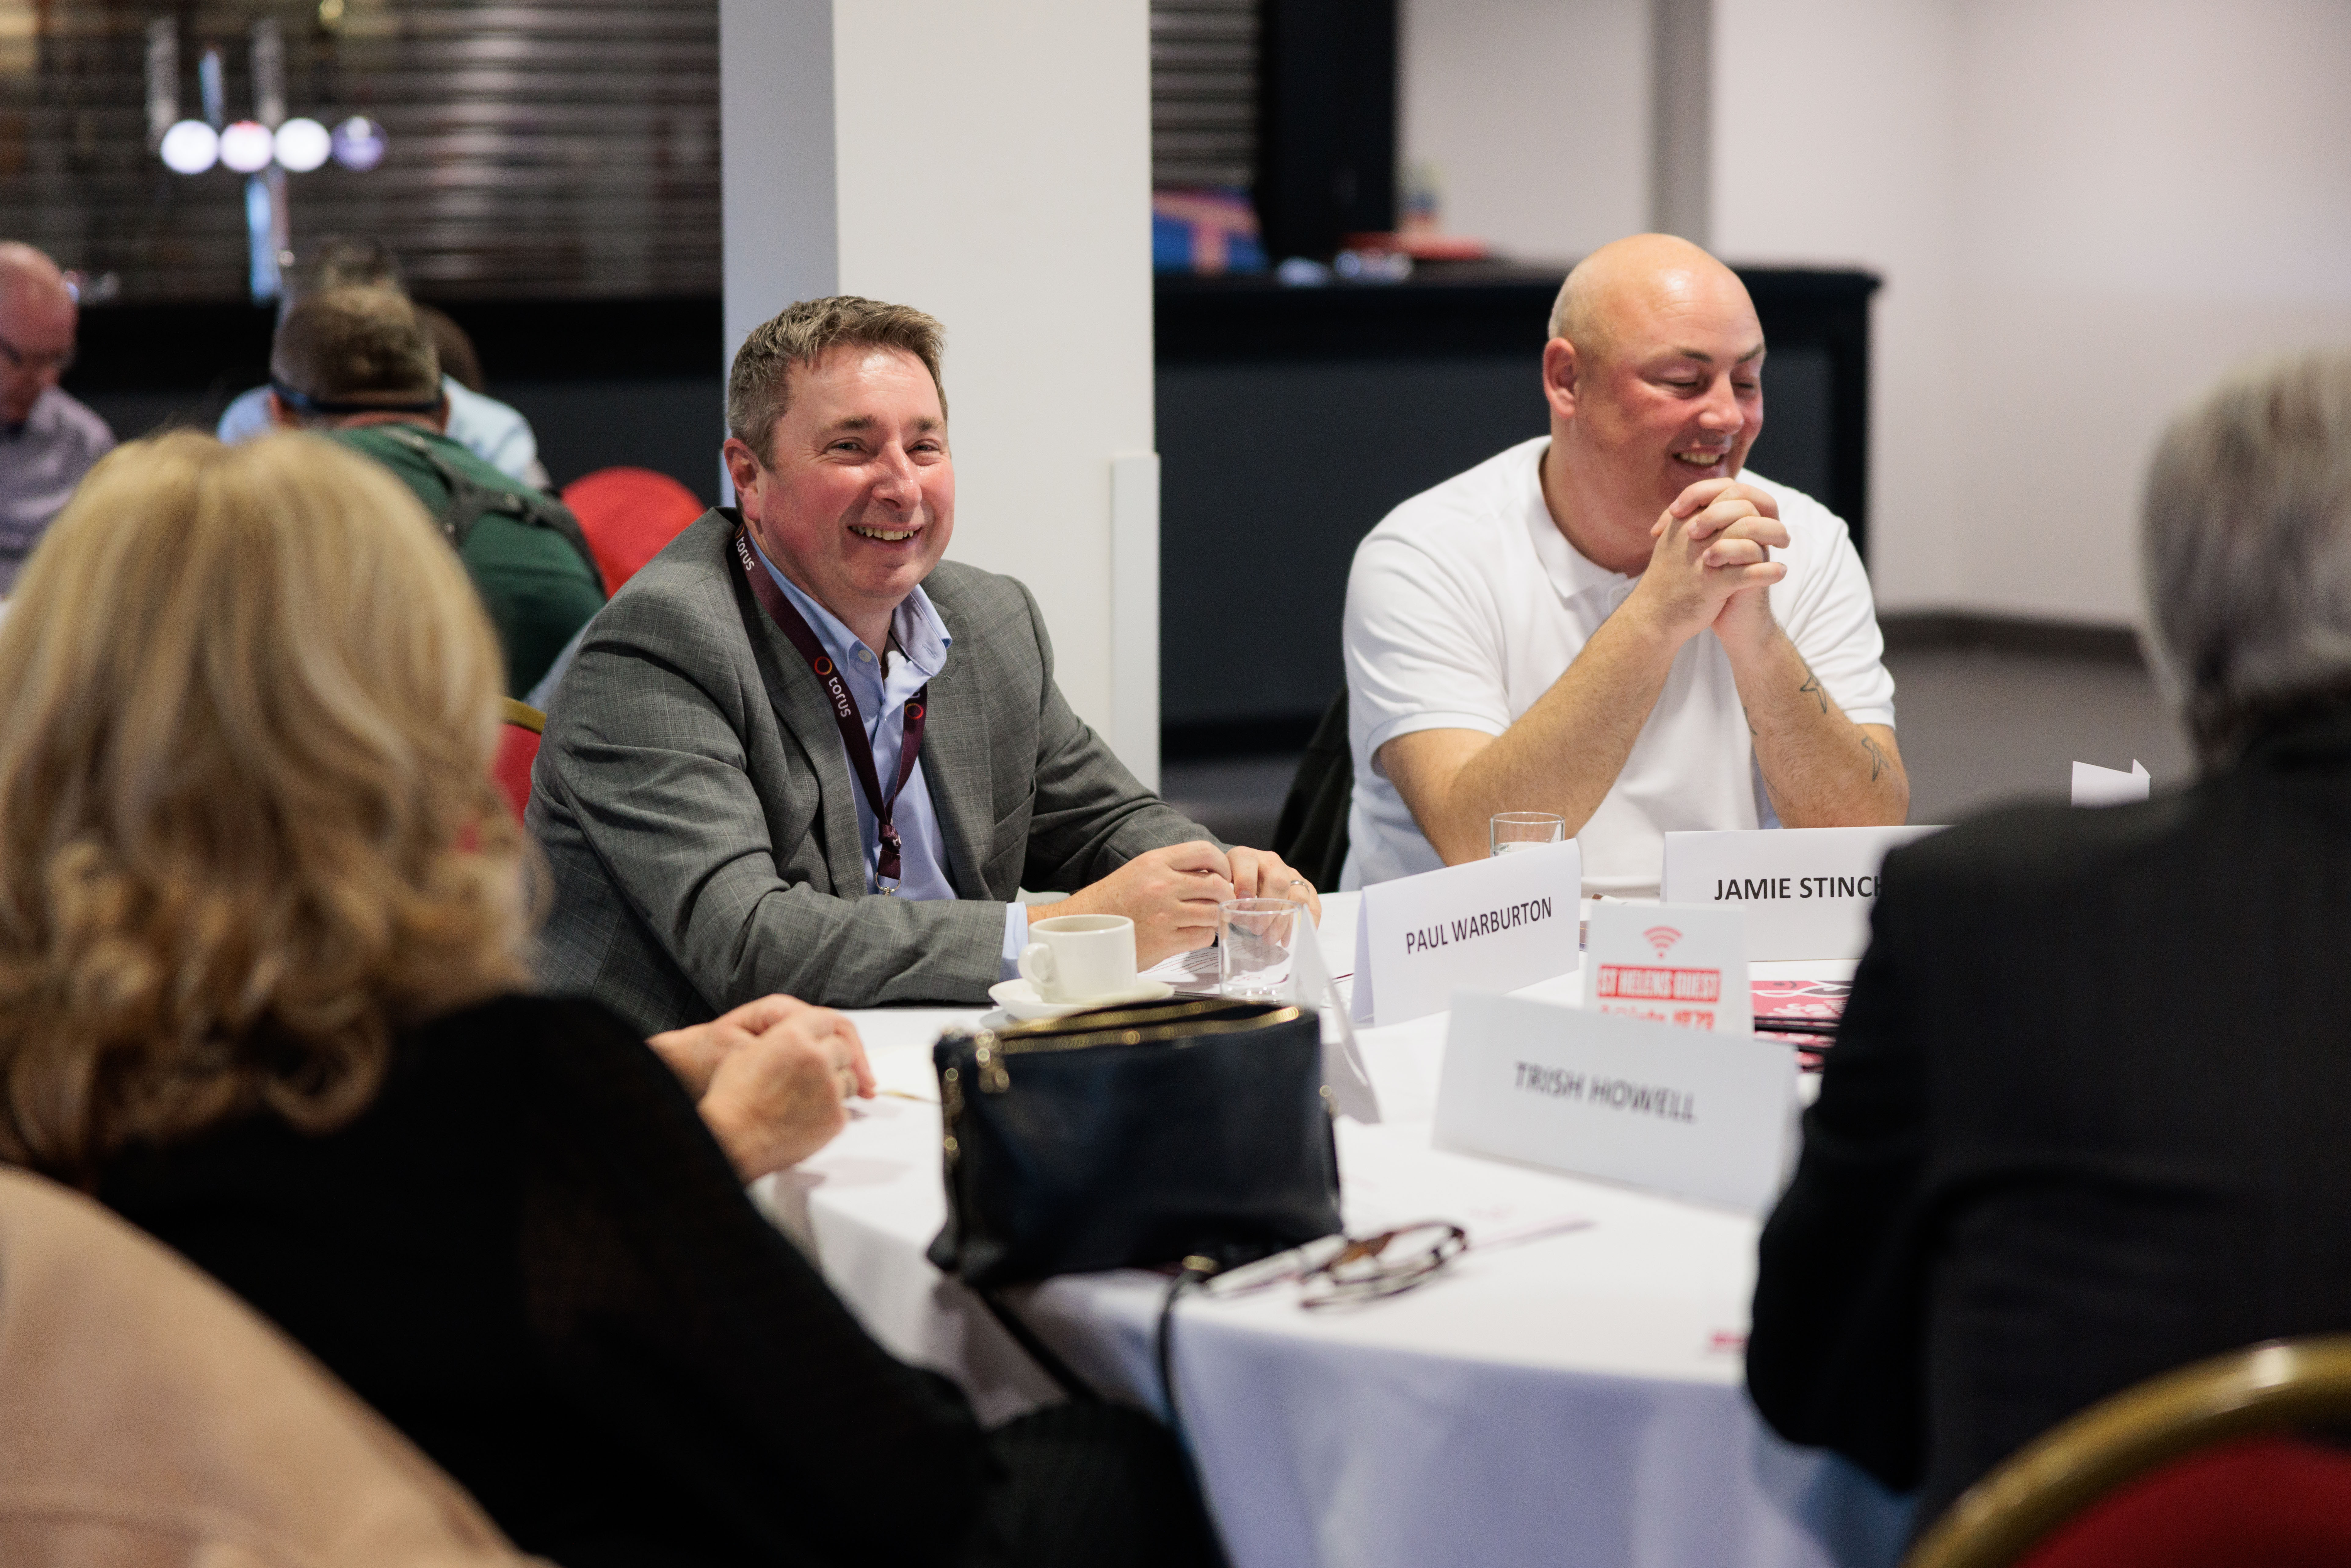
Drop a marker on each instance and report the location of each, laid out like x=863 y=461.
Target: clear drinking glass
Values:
x=1253 y=940
x=1511 y=832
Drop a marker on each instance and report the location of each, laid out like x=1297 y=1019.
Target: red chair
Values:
x=628 y=515
x=519 y=727
x=2203 y=1467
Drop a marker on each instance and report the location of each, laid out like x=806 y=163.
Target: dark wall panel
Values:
x=1794 y=447
x=633 y=383
x=673 y=425
x=1270 y=474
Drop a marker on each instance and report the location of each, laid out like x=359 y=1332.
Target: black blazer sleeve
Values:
x=667 y=1307
x=1834 y=1355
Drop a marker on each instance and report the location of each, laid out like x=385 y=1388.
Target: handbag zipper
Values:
x=991 y=1048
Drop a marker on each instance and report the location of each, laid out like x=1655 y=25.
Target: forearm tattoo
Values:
x=1812 y=687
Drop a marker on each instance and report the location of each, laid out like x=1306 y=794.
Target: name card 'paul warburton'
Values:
x=1490 y=925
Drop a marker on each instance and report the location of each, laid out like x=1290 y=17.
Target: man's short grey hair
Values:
x=2246 y=549
x=759 y=384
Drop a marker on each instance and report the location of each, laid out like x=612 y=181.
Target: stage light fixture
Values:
x=303 y=145
x=190 y=147
x=359 y=144
x=247 y=147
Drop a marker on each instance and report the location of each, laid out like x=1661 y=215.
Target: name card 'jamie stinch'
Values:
x=1677 y=1111
x=1806 y=891
x=1492 y=925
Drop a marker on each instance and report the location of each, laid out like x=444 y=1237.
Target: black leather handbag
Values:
x=1132 y=1137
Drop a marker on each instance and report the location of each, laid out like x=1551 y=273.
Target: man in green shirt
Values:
x=355 y=365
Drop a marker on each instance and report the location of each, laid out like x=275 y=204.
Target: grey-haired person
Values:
x=2084 y=1121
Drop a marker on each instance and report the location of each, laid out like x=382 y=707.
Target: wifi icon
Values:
x=1661 y=937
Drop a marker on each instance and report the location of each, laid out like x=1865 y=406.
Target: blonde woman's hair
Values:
x=248 y=701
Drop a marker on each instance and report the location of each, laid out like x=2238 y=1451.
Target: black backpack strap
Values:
x=470 y=502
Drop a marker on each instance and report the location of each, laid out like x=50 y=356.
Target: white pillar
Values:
x=990 y=164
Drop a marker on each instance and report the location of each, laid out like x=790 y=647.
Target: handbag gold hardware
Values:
x=993 y=1079
x=1174 y=1022
x=951 y=1101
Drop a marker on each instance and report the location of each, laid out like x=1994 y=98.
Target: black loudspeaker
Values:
x=1326 y=124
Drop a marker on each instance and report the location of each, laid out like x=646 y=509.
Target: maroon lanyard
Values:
x=795 y=626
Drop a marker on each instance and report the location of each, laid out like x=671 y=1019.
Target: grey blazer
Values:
x=700 y=820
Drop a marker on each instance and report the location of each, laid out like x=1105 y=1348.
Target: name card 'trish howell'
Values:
x=1677 y=1111
x=1495 y=925
x=1806 y=891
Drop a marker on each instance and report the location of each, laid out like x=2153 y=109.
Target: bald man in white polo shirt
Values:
x=1616 y=622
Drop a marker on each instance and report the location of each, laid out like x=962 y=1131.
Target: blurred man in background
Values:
x=47 y=439
x=357 y=365
x=497 y=435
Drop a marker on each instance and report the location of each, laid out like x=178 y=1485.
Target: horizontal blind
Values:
x=566 y=148
x=1204 y=56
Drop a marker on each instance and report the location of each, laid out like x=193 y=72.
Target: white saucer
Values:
x=1019 y=999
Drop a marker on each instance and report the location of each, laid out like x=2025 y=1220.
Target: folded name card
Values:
x=1806 y=891
x=1676 y=1111
x=2097 y=785
x=1345 y=1079
x=1682 y=964
x=1490 y=925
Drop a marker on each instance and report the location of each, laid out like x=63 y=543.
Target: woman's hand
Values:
x=772 y=1077
x=695 y=1053
x=778 y=1099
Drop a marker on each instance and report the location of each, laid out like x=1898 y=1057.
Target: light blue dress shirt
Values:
x=881 y=685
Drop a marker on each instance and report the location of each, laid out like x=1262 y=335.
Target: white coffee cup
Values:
x=1078 y=958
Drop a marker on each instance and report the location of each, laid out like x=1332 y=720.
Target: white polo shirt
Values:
x=1467 y=603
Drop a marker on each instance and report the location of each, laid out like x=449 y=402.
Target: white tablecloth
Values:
x=1570 y=1398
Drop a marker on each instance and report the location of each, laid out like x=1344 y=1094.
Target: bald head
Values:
x=1636 y=283
x=37 y=317
x=26 y=273
x=1654 y=372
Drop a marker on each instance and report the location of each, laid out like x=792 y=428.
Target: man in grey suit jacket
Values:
x=713 y=832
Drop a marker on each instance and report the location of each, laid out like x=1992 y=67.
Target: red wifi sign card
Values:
x=1683 y=963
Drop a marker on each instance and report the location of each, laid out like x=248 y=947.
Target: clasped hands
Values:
x=1713 y=560
x=771 y=1078
x=1171 y=895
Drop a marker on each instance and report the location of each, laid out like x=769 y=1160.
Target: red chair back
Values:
x=2279 y=1501
x=518 y=733
x=2206 y=1467
x=628 y=515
